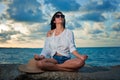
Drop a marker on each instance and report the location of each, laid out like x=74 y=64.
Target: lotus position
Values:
x=58 y=46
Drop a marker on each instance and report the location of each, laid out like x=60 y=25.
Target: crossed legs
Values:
x=69 y=65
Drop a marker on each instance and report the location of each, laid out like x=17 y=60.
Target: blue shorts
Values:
x=60 y=59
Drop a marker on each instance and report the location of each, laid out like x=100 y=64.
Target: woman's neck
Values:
x=59 y=27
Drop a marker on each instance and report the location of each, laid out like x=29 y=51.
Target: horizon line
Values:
x=76 y=47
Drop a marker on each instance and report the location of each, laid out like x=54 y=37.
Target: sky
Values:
x=24 y=23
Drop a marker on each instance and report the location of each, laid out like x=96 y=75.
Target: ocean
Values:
x=98 y=56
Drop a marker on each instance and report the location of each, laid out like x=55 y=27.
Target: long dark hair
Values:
x=53 y=25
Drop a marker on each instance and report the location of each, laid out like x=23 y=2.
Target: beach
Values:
x=11 y=72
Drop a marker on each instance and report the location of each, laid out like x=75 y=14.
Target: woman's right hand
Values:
x=37 y=57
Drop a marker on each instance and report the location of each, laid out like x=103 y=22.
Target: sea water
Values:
x=97 y=56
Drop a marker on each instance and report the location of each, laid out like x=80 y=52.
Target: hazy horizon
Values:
x=76 y=47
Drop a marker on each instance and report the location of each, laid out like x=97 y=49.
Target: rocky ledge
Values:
x=11 y=72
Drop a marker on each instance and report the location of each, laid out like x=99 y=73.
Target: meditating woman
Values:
x=58 y=46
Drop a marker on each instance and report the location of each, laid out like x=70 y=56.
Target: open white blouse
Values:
x=62 y=44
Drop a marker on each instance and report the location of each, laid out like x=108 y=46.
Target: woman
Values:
x=58 y=45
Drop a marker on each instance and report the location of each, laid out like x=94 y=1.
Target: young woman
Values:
x=58 y=45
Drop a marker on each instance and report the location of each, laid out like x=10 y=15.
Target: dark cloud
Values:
x=116 y=27
x=64 y=5
x=36 y=36
x=70 y=27
x=99 y=35
x=73 y=25
x=40 y=32
x=6 y=35
x=25 y=10
x=94 y=37
x=117 y=15
x=97 y=17
x=103 y=5
x=96 y=32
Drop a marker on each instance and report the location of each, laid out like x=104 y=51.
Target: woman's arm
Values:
x=45 y=51
x=73 y=49
x=82 y=57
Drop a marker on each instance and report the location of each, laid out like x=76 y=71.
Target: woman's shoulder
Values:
x=69 y=31
x=49 y=33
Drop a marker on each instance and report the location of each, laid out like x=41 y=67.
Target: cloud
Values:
x=4 y=28
x=73 y=25
x=97 y=28
x=26 y=22
x=38 y=31
x=27 y=10
x=95 y=16
x=101 y=6
x=64 y=5
x=92 y=31
x=3 y=15
x=72 y=20
x=117 y=15
x=116 y=27
x=21 y=32
x=6 y=32
x=2 y=7
x=23 y=29
x=6 y=35
x=13 y=32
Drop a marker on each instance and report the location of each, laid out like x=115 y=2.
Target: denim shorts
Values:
x=60 y=59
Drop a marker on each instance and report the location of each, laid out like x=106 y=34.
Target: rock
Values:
x=53 y=76
x=8 y=71
x=11 y=72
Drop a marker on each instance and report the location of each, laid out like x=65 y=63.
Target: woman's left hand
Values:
x=84 y=57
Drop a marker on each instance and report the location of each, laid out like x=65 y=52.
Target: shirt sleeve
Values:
x=72 y=46
x=46 y=50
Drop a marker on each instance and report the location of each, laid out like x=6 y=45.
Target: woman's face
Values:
x=59 y=18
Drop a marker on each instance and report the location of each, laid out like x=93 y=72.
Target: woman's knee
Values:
x=40 y=64
x=43 y=63
x=79 y=63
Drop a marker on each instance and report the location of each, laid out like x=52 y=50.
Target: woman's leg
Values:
x=69 y=65
x=51 y=64
x=47 y=64
x=73 y=64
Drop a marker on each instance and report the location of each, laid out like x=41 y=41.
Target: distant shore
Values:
x=11 y=72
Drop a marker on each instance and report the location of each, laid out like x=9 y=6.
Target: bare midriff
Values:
x=58 y=54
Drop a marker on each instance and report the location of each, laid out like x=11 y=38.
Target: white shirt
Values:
x=62 y=44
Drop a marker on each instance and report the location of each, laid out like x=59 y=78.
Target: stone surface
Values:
x=11 y=72
x=53 y=76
